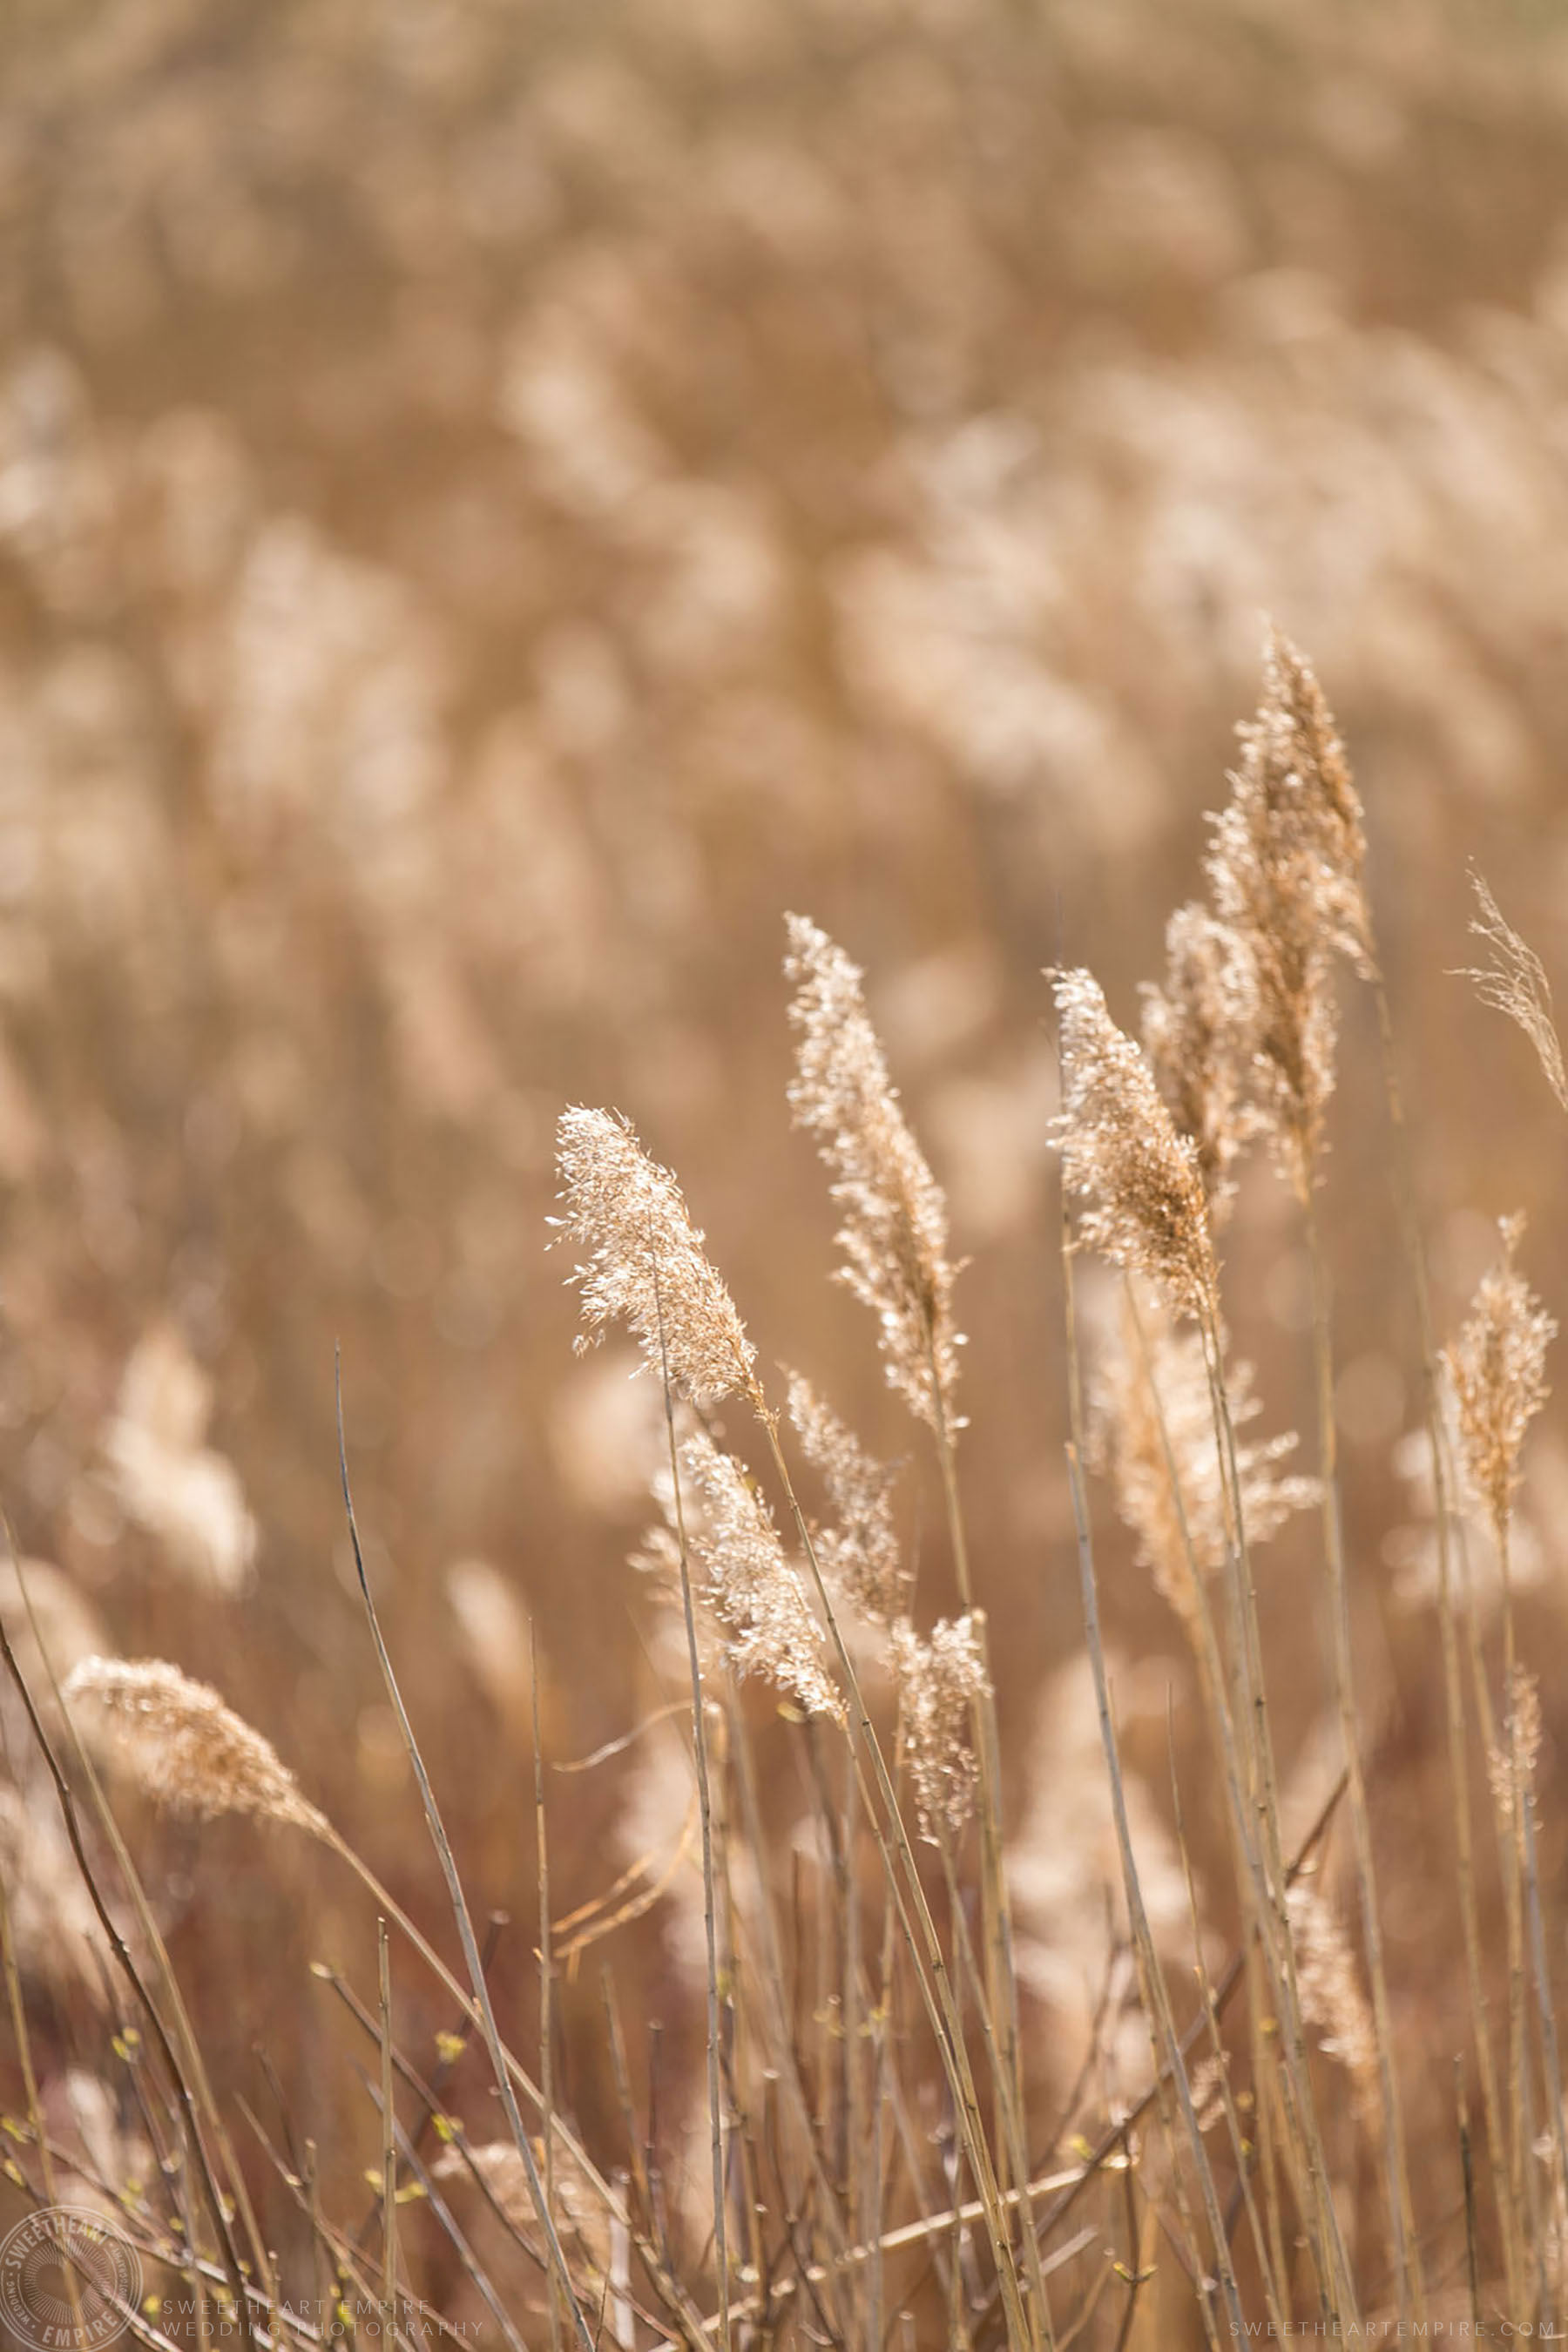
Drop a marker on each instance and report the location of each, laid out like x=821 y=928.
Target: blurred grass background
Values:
x=498 y=501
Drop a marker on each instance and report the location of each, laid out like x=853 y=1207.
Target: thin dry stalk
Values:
x=1407 y=2259
x=1526 y=1742
x=1001 y=1973
x=459 y=1909
x=705 y=1815
x=546 y=1972
x=1253 y=1754
x=1242 y=2157
x=388 y=2140
x=783 y=2042
x=1455 y=1720
x=30 y=2091
x=1168 y=2054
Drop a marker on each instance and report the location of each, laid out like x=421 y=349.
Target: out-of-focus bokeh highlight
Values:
x=498 y=503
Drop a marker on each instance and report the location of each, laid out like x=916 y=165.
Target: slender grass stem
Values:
x=1406 y=2251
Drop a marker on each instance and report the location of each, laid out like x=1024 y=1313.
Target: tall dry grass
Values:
x=877 y=2163
x=493 y=510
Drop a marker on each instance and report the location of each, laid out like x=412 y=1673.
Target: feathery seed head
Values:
x=1154 y=1416
x=939 y=1680
x=1141 y=1182
x=499 y=2168
x=1331 y=1995
x=185 y=1750
x=860 y=1553
x=750 y=1583
x=894 y=1235
x=1515 y=982
x=645 y=1264
x=1286 y=868
x=1198 y=1027
x=1512 y=1769
x=1497 y=1367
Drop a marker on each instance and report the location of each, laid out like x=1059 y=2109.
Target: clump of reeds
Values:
x=847 y=2007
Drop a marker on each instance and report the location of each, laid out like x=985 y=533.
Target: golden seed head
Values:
x=1332 y=1997
x=1512 y=1768
x=939 y=1679
x=182 y=1746
x=1198 y=1027
x=1497 y=1368
x=645 y=1264
x=1286 y=869
x=750 y=1584
x=894 y=1235
x=1515 y=982
x=1154 y=1429
x=860 y=1553
x=1140 y=1182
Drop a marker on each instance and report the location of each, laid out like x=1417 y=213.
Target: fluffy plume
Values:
x=939 y=1680
x=1497 y=1367
x=58 y=1936
x=168 y=1480
x=1515 y=982
x=1156 y=1398
x=1121 y=1156
x=894 y=1234
x=1332 y=2001
x=750 y=1584
x=1198 y=1026
x=182 y=1746
x=1286 y=872
x=499 y=2168
x=1512 y=1770
x=646 y=1265
x=860 y=1552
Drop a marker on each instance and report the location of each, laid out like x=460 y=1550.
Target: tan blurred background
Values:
x=497 y=502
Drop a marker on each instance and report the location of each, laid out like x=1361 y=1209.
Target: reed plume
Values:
x=1198 y=1026
x=1285 y=872
x=894 y=1235
x=1510 y=1767
x=750 y=1585
x=1515 y=982
x=1145 y=1206
x=646 y=1265
x=1154 y=1429
x=1497 y=1368
x=939 y=1677
x=1332 y=2001
x=184 y=1748
x=858 y=1553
